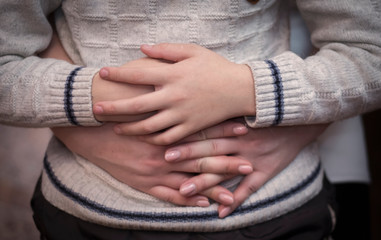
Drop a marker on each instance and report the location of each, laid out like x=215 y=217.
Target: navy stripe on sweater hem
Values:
x=68 y=98
x=171 y=216
x=278 y=90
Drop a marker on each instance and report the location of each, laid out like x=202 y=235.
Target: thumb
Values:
x=174 y=52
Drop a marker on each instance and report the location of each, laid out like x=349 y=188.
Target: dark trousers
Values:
x=311 y=221
x=353 y=216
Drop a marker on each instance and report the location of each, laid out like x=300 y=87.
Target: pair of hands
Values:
x=142 y=165
x=139 y=164
x=215 y=154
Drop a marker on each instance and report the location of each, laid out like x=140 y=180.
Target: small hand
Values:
x=196 y=89
x=269 y=150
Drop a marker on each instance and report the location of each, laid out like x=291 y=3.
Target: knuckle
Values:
x=264 y=147
x=252 y=188
x=151 y=168
x=215 y=191
x=122 y=128
x=186 y=151
x=201 y=165
x=225 y=131
x=179 y=96
x=146 y=170
x=201 y=183
x=137 y=107
x=227 y=174
x=166 y=140
x=197 y=167
x=116 y=74
x=228 y=167
x=215 y=146
x=183 y=178
x=109 y=108
x=202 y=135
x=169 y=198
x=163 y=46
x=136 y=75
x=147 y=128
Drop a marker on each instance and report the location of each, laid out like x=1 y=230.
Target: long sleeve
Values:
x=342 y=80
x=38 y=92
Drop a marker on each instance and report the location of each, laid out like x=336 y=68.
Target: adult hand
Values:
x=142 y=166
x=196 y=89
x=269 y=150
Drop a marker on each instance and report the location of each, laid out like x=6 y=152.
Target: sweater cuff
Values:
x=71 y=90
x=277 y=93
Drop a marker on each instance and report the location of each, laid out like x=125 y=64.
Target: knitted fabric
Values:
x=342 y=80
x=86 y=191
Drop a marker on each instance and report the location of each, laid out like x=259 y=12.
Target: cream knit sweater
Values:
x=342 y=80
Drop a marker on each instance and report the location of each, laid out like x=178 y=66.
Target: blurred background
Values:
x=21 y=154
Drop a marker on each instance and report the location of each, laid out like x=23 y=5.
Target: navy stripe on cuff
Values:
x=278 y=91
x=68 y=98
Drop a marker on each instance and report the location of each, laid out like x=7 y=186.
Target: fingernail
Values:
x=203 y=203
x=103 y=73
x=224 y=212
x=245 y=169
x=98 y=110
x=226 y=199
x=172 y=155
x=239 y=130
x=188 y=189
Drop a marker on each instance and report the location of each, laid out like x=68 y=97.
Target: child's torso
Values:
x=111 y=32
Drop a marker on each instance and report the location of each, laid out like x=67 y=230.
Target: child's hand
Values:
x=200 y=89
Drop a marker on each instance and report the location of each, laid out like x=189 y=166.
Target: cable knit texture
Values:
x=342 y=80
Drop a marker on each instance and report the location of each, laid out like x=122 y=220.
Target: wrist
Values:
x=247 y=103
x=96 y=92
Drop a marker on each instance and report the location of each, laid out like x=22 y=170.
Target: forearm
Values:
x=38 y=92
x=340 y=81
x=102 y=90
x=46 y=92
